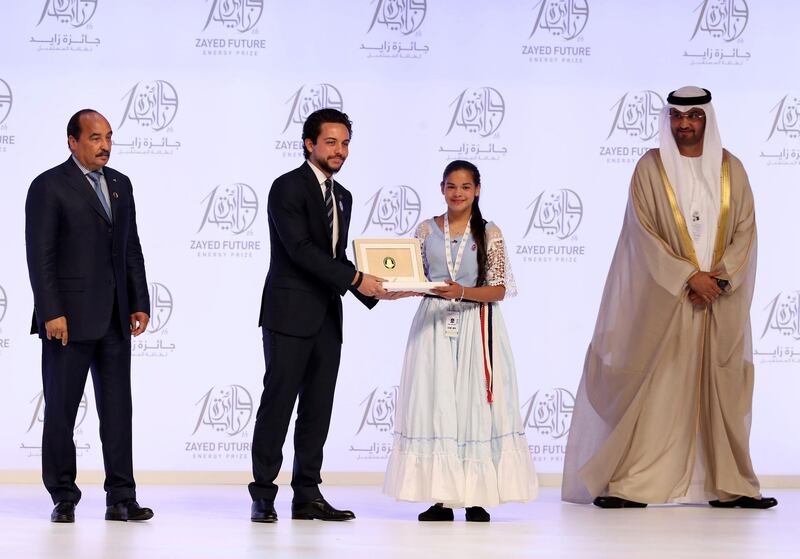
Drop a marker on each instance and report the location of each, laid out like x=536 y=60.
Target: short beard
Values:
x=325 y=168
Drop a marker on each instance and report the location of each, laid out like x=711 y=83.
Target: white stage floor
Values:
x=213 y=521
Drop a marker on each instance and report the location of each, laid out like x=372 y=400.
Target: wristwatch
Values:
x=722 y=283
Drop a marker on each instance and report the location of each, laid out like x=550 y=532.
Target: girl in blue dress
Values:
x=459 y=440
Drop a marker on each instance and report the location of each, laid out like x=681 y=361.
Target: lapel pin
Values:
x=114 y=195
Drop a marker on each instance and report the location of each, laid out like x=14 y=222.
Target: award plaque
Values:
x=398 y=261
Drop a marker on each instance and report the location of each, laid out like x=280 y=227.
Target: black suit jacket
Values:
x=304 y=278
x=77 y=259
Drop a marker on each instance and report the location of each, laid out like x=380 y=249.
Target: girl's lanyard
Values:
x=448 y=253
x=453 y=315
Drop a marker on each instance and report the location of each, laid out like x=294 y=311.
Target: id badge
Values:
x=452 y=322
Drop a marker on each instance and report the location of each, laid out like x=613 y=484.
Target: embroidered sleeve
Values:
x=498 y=263
x=421 y=233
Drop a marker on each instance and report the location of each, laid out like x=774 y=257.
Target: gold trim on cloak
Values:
x=724 y=210
x=724 y=207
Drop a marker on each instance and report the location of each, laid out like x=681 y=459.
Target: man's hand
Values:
x=139 y=322
x=372 y=286
x=392 y=295
x=57 y=328
x=696 y=299
x=704 y=284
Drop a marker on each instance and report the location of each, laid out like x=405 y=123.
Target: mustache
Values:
x=102 y=152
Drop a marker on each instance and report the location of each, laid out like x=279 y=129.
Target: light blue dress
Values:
x=450 y=444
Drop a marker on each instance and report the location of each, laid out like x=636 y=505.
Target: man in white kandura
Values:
x=664 y=406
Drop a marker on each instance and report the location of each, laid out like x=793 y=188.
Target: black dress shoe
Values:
x=617 y=503
x=64 y=511
x=477 y=514
x=263 y=511
x=746 y=503
x=436 y=513
x=128 y=510
x=319 y=509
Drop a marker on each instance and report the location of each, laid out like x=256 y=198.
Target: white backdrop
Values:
x=554 y=100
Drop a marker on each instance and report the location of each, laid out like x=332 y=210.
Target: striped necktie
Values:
x=94 y=176
x=329 y=203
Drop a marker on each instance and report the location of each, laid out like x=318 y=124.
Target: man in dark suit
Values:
x=90 y=294
x=301 y=317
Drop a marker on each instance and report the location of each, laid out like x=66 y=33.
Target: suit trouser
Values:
x=303 y=369
x=64 y=372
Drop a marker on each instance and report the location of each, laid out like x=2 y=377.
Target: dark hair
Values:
x=312 y=127
x=74 y=124
x=476 y=223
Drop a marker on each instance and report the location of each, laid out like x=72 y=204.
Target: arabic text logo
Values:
x=550 y=412
x=556 y=214
x=241 y=15
x=76 y=13
x=231 y=207
x=787 y=117
x=405 y=16
x=725 y=19
x=561 y=18
x=310 y=98
x=478 y=111
x=151 y=104
x=160 y=307
x=379 y=406
x=225 y=410
x=395 y=209
x=784 y=315
x=637 y=114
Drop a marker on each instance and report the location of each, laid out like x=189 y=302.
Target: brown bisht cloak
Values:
x=667 y=386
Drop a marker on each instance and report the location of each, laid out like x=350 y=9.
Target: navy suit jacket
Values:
x=304 y=278
x=78 y=260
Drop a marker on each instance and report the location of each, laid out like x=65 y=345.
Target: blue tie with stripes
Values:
x=95 y=178
x=329 y=203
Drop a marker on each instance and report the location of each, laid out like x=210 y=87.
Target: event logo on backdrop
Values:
x=476 y=117
x=228 y=214
x=150 y=108
x=6 y=102
x=633 y=127
x=554 y=217
x=65 y=25
x=547 y=416
x=783 y=141
x=716 y=38
x=3 y=303
x=221 y=425
x=5 y=343
x=556 y=33
x=301 y=103
x=156 y=340
x=393 y=209
x=32 y=443
x=394 y=31
x=231 y=29
x=779 y=340
x=373 y=437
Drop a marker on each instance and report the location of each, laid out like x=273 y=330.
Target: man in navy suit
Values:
x=90 y=294
x=301 y=317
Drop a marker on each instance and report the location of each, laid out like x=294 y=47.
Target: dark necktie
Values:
x=329 y=203
x=95 y=178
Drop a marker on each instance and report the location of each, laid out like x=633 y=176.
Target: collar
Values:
x=321 y=178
